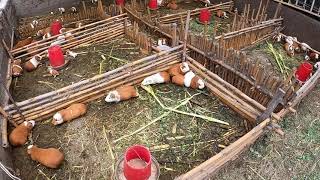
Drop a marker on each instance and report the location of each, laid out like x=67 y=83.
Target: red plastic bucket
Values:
x=137 y=163
x=303 y=72
x=56 y=57
x=120 y=2
x=153 y=4
x=55 y=28
x=205 y=16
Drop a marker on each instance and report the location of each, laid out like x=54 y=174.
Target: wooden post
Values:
x=174 y=35
x=84 y=9
x=186 y=37
x=10 y=97
x=277 y=98
x=277 y=11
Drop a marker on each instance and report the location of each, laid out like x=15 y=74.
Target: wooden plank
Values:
x=276 y=100
x=208 y=168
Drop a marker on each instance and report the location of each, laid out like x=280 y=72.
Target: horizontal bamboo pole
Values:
x=84 y=37
x=265 y=24
x=101 y=92
x=97 y=77
x=228 y=98
x=231 y=87
x=197 y=11
x=93 y=88
x=208 y=168
x=72 y=31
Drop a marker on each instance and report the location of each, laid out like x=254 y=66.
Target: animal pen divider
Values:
x=84 y=14
x=259 y=96
x=228 y=74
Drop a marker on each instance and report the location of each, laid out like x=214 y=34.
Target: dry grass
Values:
x=297 y=156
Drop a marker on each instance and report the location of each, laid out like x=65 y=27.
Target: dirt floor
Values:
x=86 y=65
x=296 y=156
x=178 y=142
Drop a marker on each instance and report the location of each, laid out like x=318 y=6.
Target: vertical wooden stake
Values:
x=174 y=35
x=258 y=12
x=277 y=11
x=186 y=37
x=84 y=8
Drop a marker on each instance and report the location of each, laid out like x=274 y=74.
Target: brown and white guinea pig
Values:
x=161 y=77
x=178 y=80
x=16 y=68
x=72 y=112
x=278 y=38
x=44 y=33
x=19 y=135
x=193 y=81
x=296 y=47
x=121 y=94
x=312 y=56
x=304 y=47
x=172 y=5
x=289 y=49
x=51 y=157
x=23 y=42
x=179 y=69
x=33 y=63
x=222 y=14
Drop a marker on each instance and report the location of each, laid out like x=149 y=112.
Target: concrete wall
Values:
x=296 y=23
x=7 y=22
x=37 y=7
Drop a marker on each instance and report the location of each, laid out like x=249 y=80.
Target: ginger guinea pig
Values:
x=121 y=94
x=51 y=157
x=72 y=112
x=179 y=69
x=19 y=135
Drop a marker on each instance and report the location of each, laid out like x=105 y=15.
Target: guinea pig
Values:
x=50 y=157
x=72 y=112
x=19 y=135
x=121 y=94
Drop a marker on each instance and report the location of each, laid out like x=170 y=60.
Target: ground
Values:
x=296 y=156
x=178 y=142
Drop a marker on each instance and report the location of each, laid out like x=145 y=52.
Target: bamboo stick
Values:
x=97 y=77
x=92 y=87
x=72 y=31
x=95 y=94
x=186 y=36
x=211 y=166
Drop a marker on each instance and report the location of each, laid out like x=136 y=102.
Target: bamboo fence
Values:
x=97 y=32
x=85 y=14
x=47 y=104
x=140 y=38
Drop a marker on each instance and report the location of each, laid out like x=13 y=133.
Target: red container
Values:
x=55 y=28
x=303 y=72
x=56 y=57
x=205 y=16
x=153 y=4
x=120 y=2
x=139 y=171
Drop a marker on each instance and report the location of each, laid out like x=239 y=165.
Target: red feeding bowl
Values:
x=153 y=4
x=303 y=72
x=55 y=28
x=120 y=2
x=137 y=163
x=205 y=16
x=56 y=57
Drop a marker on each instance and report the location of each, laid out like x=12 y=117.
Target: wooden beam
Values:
x=276 y=100
x=208 y=168
x=186 y=30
